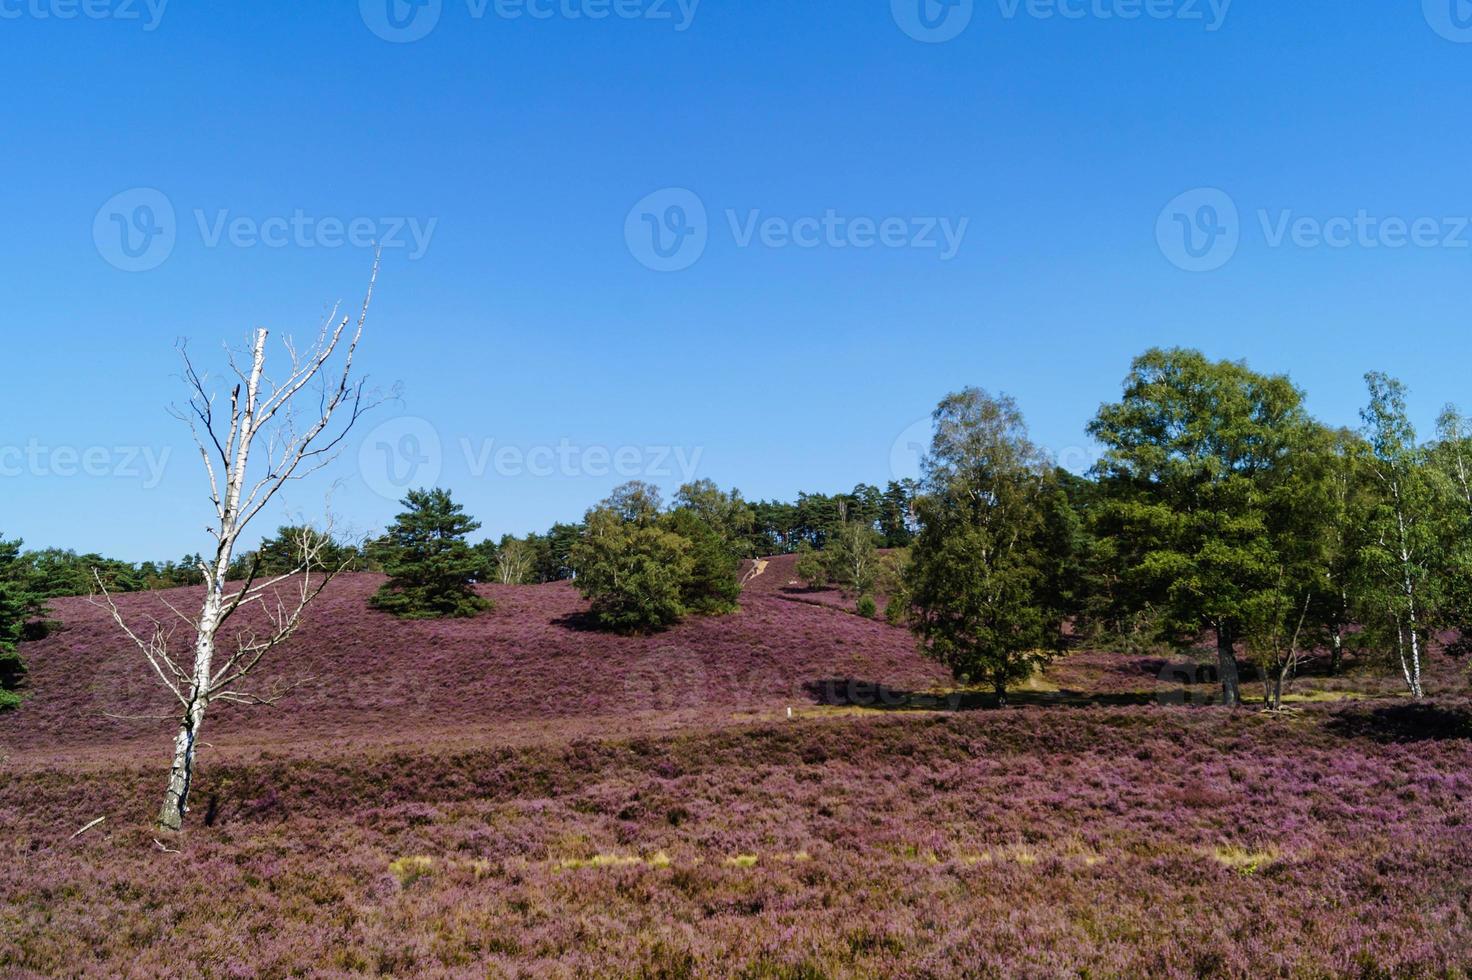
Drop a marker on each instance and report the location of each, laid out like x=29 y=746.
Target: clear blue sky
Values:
x=530 y=319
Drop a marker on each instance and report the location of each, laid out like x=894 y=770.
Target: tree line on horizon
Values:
x=1219 y=508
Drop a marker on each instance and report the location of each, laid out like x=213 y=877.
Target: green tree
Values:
x=634 y=572
x=811 y=567
x=19 y=606
x=724 y=512
x=852 y=556
x=1189 y=453
x=1451 y=456
x=288 y=551
x=975 y=567
x=713 y=585
x=431 y=568
x=1296 y=607
x=1404 y=549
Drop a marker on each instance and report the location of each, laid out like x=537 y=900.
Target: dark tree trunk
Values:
x=1226 y=657
x=1001 y=688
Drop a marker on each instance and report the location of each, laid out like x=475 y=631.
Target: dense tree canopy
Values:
x=19 y=606
x=1192 y=453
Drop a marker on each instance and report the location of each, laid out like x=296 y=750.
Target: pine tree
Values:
x=18 y=607
x=431 y=568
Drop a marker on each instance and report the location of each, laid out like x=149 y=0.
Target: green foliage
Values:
x=19 y=605
x=431 y=568
x=1451 y=457
x=714 y=583
x=976 y=566
x=894 y=610
x=812 y=566
x=852 y=557
x=1405 y=557
x=291 y=550
x=634 y=572
x=866 y=607
x=1191 y=453
x=782 y=528
x=644 y=569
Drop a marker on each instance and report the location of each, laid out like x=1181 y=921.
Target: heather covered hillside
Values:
x=533 y=666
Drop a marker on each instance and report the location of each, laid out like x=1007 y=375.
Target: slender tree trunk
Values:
x=1226 y=656
x=1413 y=671
x=1336 y=651
x=1400 y=649
x=181 y=773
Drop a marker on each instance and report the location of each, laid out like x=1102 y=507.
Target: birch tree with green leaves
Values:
x=976 y=567
x=1399 y=558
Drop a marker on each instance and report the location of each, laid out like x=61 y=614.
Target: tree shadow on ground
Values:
x=1409 y=722
x=851 y=692
x=579 y=622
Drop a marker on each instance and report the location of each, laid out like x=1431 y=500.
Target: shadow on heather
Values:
x=1425 y=722
x=851 y=692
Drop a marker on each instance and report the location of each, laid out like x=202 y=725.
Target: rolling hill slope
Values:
x=530 y=668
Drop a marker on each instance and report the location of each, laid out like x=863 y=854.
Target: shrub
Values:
x=634 y=572
x=894 y=611
x=866 y=607
x=812 y=566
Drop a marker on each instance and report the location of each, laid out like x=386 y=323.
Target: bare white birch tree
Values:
x=266 y=440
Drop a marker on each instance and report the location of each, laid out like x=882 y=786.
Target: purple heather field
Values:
x=515 y=795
